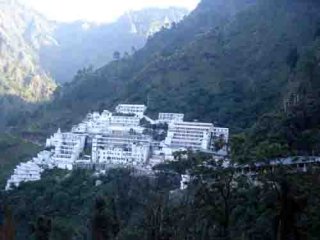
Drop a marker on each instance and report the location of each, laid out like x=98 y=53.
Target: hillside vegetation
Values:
x=22 y=81
x=229 y=62
x=121 y=205
x=36 y=54
x=251 y=65
x=13 y=151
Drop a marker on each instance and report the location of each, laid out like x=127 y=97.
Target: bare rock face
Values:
x=22 y=33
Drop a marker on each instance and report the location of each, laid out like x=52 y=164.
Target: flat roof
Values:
x=194 y=124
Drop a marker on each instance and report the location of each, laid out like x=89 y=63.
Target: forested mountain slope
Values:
x=22 y=33
x=37 y=54
x=226 y=62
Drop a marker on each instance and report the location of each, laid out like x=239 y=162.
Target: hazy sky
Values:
x=99 y=10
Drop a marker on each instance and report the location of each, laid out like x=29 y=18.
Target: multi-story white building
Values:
x=170 y=117
x=125 y=120
x=67 y=148
x=137 y=109
x=109 y=123
x=120 y=149
x=189 y=135
x=129 y=154
x=25 y=172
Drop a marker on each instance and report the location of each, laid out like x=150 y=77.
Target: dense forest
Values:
x=218 y=204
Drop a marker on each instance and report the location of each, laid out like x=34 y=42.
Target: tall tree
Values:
x=42 y=228
x=116 y=55
x=7 y=228
x=105 y=225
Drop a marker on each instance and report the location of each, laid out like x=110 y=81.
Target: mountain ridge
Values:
x=29 y=75
x=232 y=63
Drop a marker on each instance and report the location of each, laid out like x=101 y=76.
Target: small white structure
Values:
x=221 y=132
x=44 y=159
x=81 y=128
x=185 y=179
x=170 y=117
x=125 y=120
x=137 y=109
x=25 y=172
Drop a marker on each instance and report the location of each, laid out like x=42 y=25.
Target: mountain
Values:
x=36 y=54
x=251 y=65
x=81 y=44
x=22 y=33
x=228 y=62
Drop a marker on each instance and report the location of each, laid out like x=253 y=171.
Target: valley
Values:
x=38 y=55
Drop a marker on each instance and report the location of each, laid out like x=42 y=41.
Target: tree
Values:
x=293 y=58
x=216 y=199
x=290 y=205
x=133 y=50
x=126 y=55
x=42 y=228
x=7 y=228
x=116 y=55
x=105 y=225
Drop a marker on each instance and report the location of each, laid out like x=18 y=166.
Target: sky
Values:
x=99 y=10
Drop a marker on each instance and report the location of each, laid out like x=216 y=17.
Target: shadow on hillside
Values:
x=14 y=111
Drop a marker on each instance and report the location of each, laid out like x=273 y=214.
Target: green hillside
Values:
x=120 y=205
x=251 y=65
x=227 y=62
x=13 y=151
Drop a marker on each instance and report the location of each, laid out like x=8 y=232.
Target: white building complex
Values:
x=119 y=139
x=24 y=172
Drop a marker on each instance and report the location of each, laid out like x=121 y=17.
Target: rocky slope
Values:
x=22 y=34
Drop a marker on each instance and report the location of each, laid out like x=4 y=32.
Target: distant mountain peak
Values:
x=32 y=48
x=148 y=21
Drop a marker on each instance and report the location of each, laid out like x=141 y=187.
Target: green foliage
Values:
x=221 y=204
x=13 y=150
x=295 y=129
x=218 y=204
x=77 y=206
x=228 y=62
x=105 y=224
x=42 y=229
